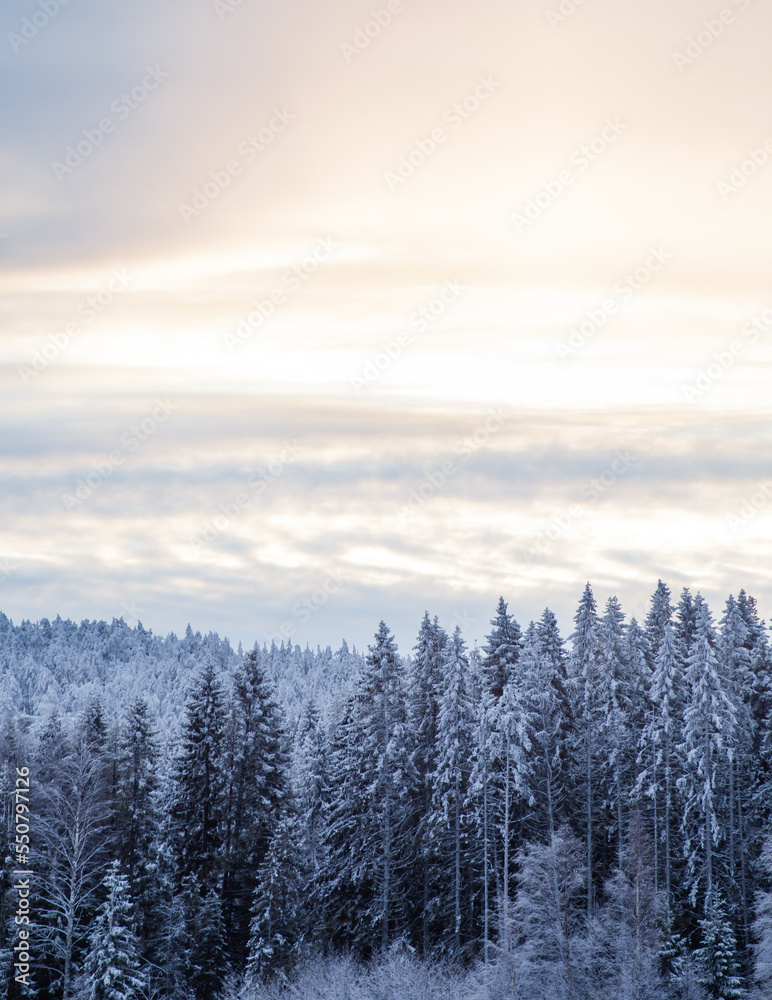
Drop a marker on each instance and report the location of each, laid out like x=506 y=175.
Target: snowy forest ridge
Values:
x=583 y=822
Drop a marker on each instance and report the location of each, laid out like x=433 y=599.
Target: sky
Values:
x=315 y=315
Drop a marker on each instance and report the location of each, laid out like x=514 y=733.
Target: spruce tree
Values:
x=583 y=670
x=197 y=809
x=113 y=964
x=502 y=650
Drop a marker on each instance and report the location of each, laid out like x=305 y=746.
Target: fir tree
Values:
x=113 y=965
x=502 y=650
x=717 y=953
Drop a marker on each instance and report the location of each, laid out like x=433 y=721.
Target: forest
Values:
x=575 y=818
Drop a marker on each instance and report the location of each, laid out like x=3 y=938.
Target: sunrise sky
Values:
x=316 y=314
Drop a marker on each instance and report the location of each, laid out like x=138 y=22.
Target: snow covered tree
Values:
x=583 y=671
x=363 y=889
x=657 y=754
x=451 y=780
x=276 y=930
x=137 y=814
x=615 y=708
x=659 y=617
x=549 y=916
x=762 y=927
x=425 y=682
x=113 y=965
x=707 y=747
x=255 y=761
x=197 y=809
x=717 y=953
x=502 y=650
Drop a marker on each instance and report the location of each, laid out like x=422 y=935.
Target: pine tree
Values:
x=549 y=915
x=659 y=617
x=717 y=953
x=137 y=816
x=113 y=964
x=547 y=707
x=502 y=650
x=708 y=748
x=762 y=927
x=276 y=930
x=425 y=684
x=451 y=779
x=197 y=809
x=583 y=670
x=255 y=762
x=364 y=893
x=658 y=743
x=615 y=735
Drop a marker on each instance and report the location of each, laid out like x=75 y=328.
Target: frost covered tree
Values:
x=717 y=954
x=502 y=650
x=425 y=683
x=276 y=930
x=364 y=891
x=255 y=762
x=707 y=748
x=455 y=724
x=113 y=964
x=583 y=671
x=615 y=711
x=549 y=916
x=762 y=927
x=658 y=752
x=199 y=796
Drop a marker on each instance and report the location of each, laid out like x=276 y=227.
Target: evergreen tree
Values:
x=708 y=748
x=276 y=930
x=113 y=964
x=717 y=953
x=615 y=735
x=659 y=617
x=255 y=761
x=658 y=743
x=583 y=670
x=502 y=650
x=197 y=809
x=137 y=815
x=365 y=893
x=425 y=683
x=451 y=781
